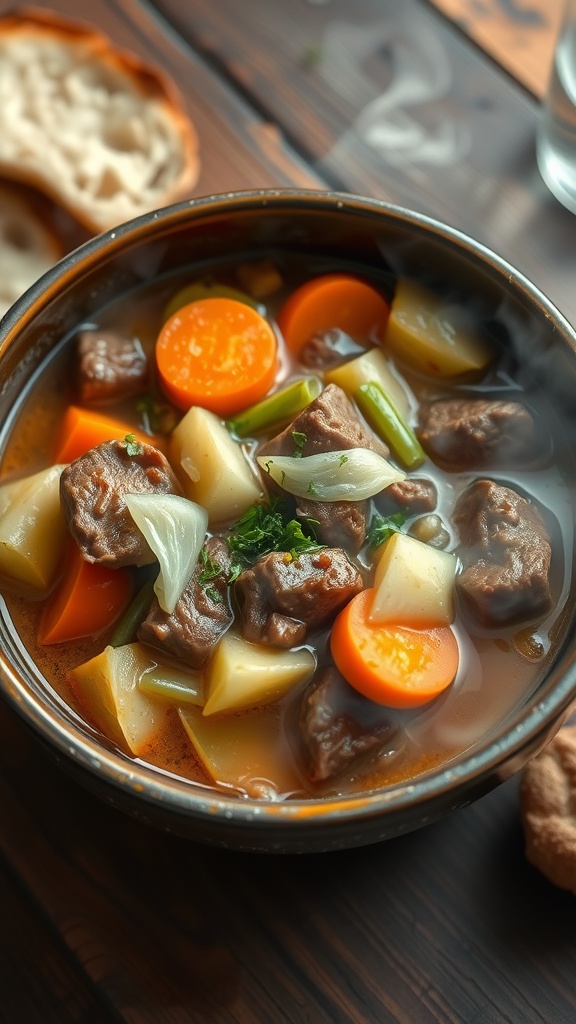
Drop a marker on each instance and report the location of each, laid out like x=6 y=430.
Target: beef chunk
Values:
x=281 y=598
x=415 y=494
x=465 y=433
x=505 y=550
x=109 y=366
x=92 y=491
x=201 y=615
x=329 y=348
x=330 y=424
x=339 y=524
x=339 y=728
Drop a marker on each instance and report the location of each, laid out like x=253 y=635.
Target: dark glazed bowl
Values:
x=372 y=234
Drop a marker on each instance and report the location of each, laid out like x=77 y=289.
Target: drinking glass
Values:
x=556 y=133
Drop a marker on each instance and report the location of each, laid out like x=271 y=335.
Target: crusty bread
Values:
x=92 y=127
x=548 y=809
x=29 y=245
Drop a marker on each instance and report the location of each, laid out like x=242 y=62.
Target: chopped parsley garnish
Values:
x=311 y=488
x=296 y=541
x=210 y=569
x=265 y=528
x=343 y=458
x=157 y=417
x=133 y=447
x=382 y=527
x=299 y=440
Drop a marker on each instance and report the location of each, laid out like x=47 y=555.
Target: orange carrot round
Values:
x=218 y=353
x=392 y=665
x=88 y=599
x=333 y=301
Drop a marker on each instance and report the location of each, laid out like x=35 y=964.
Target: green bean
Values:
x=172 y=685
x=277 y=410
x=389 y=424
x=135 y=613
x=209 y=290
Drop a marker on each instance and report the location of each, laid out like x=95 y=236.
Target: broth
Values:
x=498 y=668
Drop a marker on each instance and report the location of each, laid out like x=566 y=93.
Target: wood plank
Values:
x=449 y=923
x=395 y=102
x=519 y=35
x=108 y=887
x=55 y=983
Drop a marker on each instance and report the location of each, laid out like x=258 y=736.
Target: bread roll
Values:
x=548 y=810
x=94 y=128
x=28 y=244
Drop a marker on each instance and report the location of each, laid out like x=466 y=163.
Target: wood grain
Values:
x=447 y=924
x=519 y=35
x=395 y=102
x=55 y=982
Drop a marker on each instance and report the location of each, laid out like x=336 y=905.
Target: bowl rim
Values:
x=533 y=725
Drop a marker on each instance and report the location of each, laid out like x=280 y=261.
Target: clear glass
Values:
x=556 y=135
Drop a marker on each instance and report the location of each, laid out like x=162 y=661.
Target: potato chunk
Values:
x=108 y=688
x=371 y=366
x=245 y=750
x=243 y=674
x=414 y=584
x=211 y=466
x=32 y=529
x=429 y=334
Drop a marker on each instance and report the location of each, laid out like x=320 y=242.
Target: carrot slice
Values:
x=88 y=599
x=218 y=353
x=333 y=301
x=392 y=665
x=83 y=429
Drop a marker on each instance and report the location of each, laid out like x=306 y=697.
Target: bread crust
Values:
x=548 y=809
x=95 y=128
x=29 y=241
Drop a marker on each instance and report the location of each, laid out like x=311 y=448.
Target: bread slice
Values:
x=93 y=127
x=29 y=244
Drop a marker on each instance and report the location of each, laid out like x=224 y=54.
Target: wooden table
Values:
x=106 y=920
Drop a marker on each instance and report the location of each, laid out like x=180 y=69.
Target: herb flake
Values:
x=133 y=447
x=382 y=527
x=264 y=528
x=210 y=570
x=157 y=417
x=300 y=440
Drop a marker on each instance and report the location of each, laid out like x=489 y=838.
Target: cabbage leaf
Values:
x=350 y=475
x=175 y=529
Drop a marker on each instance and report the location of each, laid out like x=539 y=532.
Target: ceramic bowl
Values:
x=320 y=224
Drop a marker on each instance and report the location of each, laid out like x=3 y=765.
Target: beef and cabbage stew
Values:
x=290 y=532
